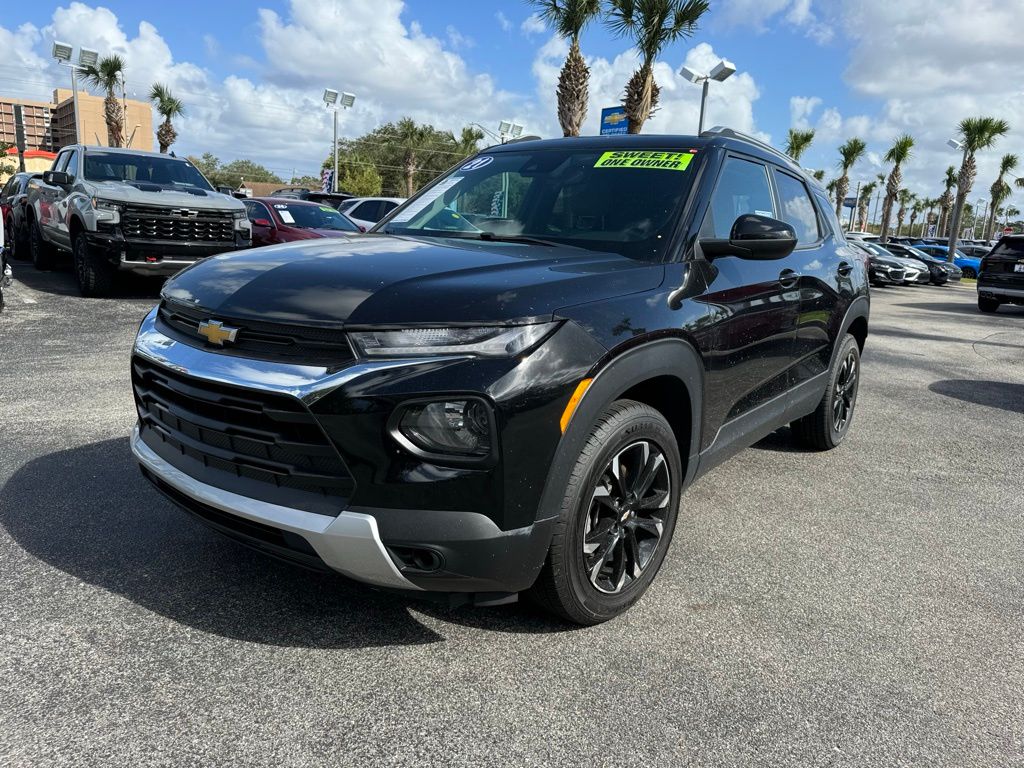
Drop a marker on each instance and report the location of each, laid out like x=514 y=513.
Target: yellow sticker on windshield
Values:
x=659 y=161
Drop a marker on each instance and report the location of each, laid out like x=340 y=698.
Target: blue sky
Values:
x=251 y=73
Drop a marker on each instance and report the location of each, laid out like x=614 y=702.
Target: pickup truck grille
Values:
x=177 y=224
x=262 y=340
x=208 y=429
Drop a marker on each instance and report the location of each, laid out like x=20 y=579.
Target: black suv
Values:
x=1001 y=275
x=507 y=385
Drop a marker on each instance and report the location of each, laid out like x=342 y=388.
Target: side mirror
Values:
x=754 y=237
x=262 y=222
x=226 y=191
x=56 y=178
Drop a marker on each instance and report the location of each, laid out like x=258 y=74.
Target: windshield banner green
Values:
x=659 y=161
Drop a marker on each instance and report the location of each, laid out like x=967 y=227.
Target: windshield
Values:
x=313 y=217
x=164 y=171
x=1008 y=247
x=625 y=202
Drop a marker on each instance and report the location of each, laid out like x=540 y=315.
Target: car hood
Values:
x=125 y=193
x=908 y=263
x=398 y=280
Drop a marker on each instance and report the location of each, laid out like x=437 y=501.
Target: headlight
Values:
x=107 y=210
x=241 y=220
x=445 y=428
x=478 y=342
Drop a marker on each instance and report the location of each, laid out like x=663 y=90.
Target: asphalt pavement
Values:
x=861 y=607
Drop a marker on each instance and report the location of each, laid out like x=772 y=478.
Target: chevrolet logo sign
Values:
x=188 y=213
x=215 y=332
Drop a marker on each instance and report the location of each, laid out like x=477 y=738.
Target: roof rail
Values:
x=721 y=130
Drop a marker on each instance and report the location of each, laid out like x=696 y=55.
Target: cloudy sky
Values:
x=251 y=73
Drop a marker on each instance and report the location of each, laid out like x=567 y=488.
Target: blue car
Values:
x=970 y=265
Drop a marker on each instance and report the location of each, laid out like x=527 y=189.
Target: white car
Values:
x=365 y=212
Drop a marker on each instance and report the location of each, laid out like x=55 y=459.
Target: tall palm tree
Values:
x=999 y=191
x=946 y=200
x=897 y=155
x=976 y=134
x=652 y=24
x=819 y=175
x=1010 y=213
x=929 y=206
x=168 y=107
x=797 y=142
x=863 y=202
x=107 y=74
x=831 y=188
x=849 y=153
x=468 y=142
x=568 y=18
x=905 y=198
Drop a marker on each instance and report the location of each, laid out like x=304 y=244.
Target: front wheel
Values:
x=826 y=427
x=618 y=515
x=988 y=305
x=95 y=276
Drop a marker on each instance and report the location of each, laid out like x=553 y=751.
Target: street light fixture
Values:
x=722 y=71
x=87 y=57
x=335 y=100
x=509 y=129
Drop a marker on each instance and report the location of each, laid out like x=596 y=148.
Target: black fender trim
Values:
x=859 y=307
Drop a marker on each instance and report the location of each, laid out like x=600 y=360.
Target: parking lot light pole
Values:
x=335 y=101
x=86 y=58
x=722 y=71
x=984 y=214
x=958 y=209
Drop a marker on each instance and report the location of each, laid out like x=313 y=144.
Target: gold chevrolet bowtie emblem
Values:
x=216 y=332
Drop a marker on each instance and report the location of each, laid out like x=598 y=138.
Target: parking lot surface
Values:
x=861 y=607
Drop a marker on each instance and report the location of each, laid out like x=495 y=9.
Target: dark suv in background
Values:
x=507 y=385
x=1001 y=276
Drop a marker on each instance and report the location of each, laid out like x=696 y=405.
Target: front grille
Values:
x=177 y=224
x=236 y=438
x=262 y=340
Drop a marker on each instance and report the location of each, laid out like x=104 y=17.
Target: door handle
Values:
x=788 y=278
x=845 y=268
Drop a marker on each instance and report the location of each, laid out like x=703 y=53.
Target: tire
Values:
x=969 y=273
x=634 y=536
x=825 y=428
x=15 y=249
x=44 y=255
x=95 y=276
x=988 y=305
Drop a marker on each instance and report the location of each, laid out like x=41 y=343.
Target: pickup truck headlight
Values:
x=107 y=210
x=241 y=220
x=505 y=341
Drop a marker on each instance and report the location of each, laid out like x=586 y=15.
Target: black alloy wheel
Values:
x=845 y=391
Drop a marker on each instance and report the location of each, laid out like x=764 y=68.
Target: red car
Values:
x=281 y=220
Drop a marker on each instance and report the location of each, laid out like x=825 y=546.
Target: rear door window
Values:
x=797 y=210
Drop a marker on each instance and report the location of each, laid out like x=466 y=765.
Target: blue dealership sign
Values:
x=614 y=121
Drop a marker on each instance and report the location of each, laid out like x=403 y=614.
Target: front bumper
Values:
x=483 y=525
x=156 y=257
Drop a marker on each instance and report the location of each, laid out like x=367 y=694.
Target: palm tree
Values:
x=568 y=18
x=418 y=143
x=897 y=154
x=915 y=210
x=863 y=202
x=652 y=24
x=831 y=188
x=468 y=142
x=905 y=198
x=999 y=190
x=849 y=154
x=929 y=207
x=1010 y=213
x=168 y=107
x=819 y=175
x=946 y=200
x=797 y=142
x=976 y=134
x=107 y=74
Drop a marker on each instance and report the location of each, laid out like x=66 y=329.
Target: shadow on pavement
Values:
x=780 y=441
x=61 y=282
x=964 y=308
x=994 y=394
x=88 y=512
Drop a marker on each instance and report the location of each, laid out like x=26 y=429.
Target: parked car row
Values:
x=967 y=257
x=897 y=264
x=116 y=210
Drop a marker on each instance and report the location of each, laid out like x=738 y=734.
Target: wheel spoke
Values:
x=598 y=534
x=657 y=500
x=650 y=472
x=632 y=547
x=650 y=525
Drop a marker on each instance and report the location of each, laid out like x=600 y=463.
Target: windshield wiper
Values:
x=497 y=238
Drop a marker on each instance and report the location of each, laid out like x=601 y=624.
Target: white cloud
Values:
x=533 y=25
x=503 y=21
x=800 y=110
x=757 y=14
x=458 y=40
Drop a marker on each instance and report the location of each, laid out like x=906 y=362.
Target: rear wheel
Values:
x=988 y=305
x=618 y=515
x=44 y=255
x=95 y=276
x=969 y=272
x=826 y=427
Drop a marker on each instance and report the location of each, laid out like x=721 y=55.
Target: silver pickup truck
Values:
x=122 y=209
